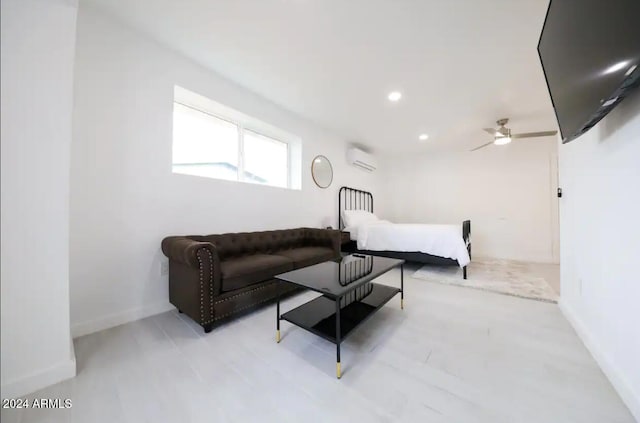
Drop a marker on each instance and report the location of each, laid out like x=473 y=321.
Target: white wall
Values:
x=124 y=198
x=508 y=193
x=38 y=38
x=600 y=244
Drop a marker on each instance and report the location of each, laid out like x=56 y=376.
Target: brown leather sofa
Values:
x=215 y=276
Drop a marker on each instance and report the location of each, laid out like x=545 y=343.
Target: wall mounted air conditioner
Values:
x=362 y=159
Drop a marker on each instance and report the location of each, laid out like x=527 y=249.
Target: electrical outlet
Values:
x=164 y=268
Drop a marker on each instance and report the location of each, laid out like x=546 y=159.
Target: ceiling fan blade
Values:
x=482 y=146
x=534 y=134
x=490 y=130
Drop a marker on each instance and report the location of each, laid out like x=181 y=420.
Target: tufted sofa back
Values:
x=265 y=242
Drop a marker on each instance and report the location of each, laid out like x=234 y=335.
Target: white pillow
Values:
x=358 y=217
x=353 y=232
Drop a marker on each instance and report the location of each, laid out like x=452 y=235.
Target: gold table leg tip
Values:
x=338 y=370
x=278 y=337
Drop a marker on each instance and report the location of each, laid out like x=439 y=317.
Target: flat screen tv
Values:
x=590 y=54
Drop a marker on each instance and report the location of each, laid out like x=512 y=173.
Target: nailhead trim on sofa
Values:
x=201 y=269
x=201 y=286
x=235 y=310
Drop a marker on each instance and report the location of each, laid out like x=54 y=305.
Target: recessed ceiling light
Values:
x=395 y=96
x=423 y=137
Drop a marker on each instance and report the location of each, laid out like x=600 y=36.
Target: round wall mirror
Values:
x=322 y=171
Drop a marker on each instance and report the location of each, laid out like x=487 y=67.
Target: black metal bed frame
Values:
x=356 y=199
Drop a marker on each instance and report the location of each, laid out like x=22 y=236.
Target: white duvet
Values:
x=437 y=240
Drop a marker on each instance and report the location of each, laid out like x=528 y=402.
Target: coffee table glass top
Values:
x=336 y=278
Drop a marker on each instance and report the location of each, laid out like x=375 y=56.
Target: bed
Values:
x=445 y=245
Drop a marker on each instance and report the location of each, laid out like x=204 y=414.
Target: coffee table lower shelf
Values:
x=319 y=315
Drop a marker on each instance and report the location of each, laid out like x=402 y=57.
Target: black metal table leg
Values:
x=278 y=318
x=338 y=369
x=402 y=286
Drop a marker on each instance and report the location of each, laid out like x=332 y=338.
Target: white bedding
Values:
x=353 y=232
x=437 y=240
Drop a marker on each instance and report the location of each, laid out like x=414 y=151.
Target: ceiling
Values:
x=460 y=64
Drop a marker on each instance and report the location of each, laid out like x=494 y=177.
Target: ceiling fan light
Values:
x=502 y=140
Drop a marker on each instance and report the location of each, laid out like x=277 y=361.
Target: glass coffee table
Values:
x=348 y=296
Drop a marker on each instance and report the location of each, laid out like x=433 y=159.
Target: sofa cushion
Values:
x=238 y=272
x=306 y=256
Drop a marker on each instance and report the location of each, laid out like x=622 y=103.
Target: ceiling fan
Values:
x=502 y=135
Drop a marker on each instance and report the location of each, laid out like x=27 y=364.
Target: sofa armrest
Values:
x=185 y=250
x=326 y=237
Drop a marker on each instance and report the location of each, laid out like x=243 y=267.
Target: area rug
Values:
x=500 y=276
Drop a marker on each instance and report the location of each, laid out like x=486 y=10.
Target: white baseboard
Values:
x=117 y=319
x=40 y=379
x=613 y=373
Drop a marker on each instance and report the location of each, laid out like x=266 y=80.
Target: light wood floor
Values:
x=452 y=355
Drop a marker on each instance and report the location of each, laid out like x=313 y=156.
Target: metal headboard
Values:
x=353 y=199
x=354 y=270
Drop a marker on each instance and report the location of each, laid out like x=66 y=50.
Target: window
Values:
x=265 y=159
x=213 y=141
x=204 y=145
